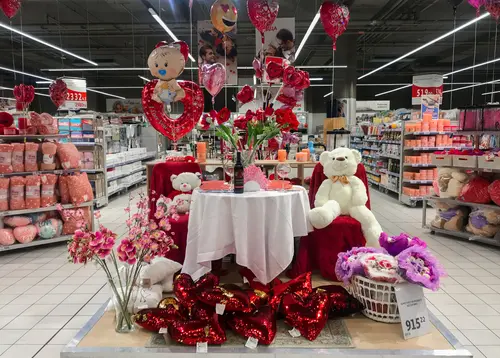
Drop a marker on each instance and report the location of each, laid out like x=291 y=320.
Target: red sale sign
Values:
x=426 y=85
x=76 y=97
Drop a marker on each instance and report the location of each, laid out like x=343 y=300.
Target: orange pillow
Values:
x=69 y=156
x=80 y=190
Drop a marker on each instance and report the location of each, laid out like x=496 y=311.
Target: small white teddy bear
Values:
x=344 y=194
x=184 y=184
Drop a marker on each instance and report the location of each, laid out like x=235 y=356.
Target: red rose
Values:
x=269 y=111
x=289 y=101
x=305 y=82
x=245 y=95
x=223 y=115
x=291 y=76
x=249 y=115
x=274 y=70
x=205 y=125
x=241 y=122
x=260 y=115
x=286 y=119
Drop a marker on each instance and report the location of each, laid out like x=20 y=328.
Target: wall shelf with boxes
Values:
x=468 y=206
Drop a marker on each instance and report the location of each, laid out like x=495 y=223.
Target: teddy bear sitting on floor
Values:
x=344 y=194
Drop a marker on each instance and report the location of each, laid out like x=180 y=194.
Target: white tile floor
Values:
x=44 y=300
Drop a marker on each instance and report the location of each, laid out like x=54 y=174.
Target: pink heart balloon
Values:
x=10 y=7
x=213 y=78
x=262 y=14
x=335 y=19
x=493 y=7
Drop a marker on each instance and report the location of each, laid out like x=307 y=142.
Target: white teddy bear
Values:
x=344 y=194
x=184 y=184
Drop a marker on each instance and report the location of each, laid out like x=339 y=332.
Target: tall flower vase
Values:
x=248 y=157
x=123 y=301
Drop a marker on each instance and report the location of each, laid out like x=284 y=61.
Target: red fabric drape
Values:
x=160 y=183
x=319 y=250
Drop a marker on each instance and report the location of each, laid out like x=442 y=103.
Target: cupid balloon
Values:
x=224 y=15
x=167 y=62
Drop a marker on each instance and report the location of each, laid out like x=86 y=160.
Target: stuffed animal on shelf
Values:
x=450 y=217
x=183 y=185
x=451 y=182
x=344 y=194
x=484 y=222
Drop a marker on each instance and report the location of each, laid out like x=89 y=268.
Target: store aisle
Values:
x=44 y=300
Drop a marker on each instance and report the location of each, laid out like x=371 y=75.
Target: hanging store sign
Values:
x=426 y=85
x=76 y=98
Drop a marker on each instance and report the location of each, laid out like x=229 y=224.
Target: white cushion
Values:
x=161 y=271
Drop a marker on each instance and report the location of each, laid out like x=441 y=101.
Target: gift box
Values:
x=442 y=160
x=465 y=161
x=488 y=162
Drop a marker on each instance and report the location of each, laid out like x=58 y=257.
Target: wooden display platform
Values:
x=97 y=339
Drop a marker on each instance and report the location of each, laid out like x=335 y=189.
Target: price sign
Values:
x=426 y=85
x=413 y=310
x=76 y=98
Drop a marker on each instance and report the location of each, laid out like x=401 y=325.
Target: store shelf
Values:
x=385 y=171
x=36 y=242
x=116 y=177
x=32 y=136
x=148 y=156
x=418 y=181
x=486 y=131
x=41 y=210
x=463 y=203
x=465 y=235
x=371 y=165
x=373 y=181
x=374 y=173
x=419 y=165
x=427 y=133
x=389 y=156
x=86 y=144
x=123 y=187
x=370 y=156
x=410 y=200
x=390 y=142
x=391 y=130
x=371 y=148
x=357 y=135
x=57 y=172
x=390 y=189
x=437 y=148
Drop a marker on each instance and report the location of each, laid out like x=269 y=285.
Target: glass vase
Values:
x=248 y=157
x=123 y=302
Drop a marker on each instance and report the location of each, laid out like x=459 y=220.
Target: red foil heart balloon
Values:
x=309 y=315
x=10 y=7
x=58 y=91
x=197 y=331
x=342 y=304
x=154 y=319
x=493 y=7
x=262 y=14
x=232 y=296
x=173 y=128
x=260 y=324
x=24 y=96
x=335 y=18
x=300 y=286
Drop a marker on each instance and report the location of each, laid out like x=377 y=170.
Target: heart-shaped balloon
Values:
x=335 y=18
x=477 y=5
x=10 y=7
x=300 y=286
x=342 y=304
x=25 y=94
x=213 y=77
x=58 y=91
x=262 y=14
x=274 y=70
x=197 y=331
x=309 y=315
x=174 y=128
x=260 y=324
x=233 y=297
x=493 y=7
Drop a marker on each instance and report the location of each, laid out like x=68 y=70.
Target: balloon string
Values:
x=494 y=56
x=225 y=66
x=333 y=82
x=262 y=69
x=474 y=63
x=453 y=55
x=195 y=120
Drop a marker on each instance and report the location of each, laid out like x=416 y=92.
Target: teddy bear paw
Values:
x=372 y=236
x=320 y=218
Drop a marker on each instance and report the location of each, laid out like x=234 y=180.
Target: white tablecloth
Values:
x=258 y=227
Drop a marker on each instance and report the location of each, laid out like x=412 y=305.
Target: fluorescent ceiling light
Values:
x=487 y=93
x=46 y=44
x=308 y=33
x=43 y=82
x=445 y=77
x=437 y=39
x=26 y=74
x=104 y=93
x=147 y=69
x=473 y=85
x=13 y=99
x=380 y=84
x=144 y=78
x=316 y=79
x=42 y=94
x=166 y=28
x=394 y=90
x=326 y=95
x=341 y=66
x=471 y=67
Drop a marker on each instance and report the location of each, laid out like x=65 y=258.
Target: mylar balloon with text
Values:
x=335 y=18
x=262 y=14
x=224 y=15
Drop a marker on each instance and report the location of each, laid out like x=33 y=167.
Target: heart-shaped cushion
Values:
x=301 y=286
x=233 y=297
x=342 y=304
x=194 y=331
x=260 y=324
x=187 y=291
x=154 y=319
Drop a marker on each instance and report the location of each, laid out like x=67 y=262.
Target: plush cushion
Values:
x=80 y=189
x=23 y=220
x=31 y=157
x=6 y=237
x=161 y=271
x=6 y=158
x=25 y=234
x=49 y=155
x=50 y=228
x=17 y=201
x=18 y=157
x=69 y=156
x=32 y=192
x=75 y=219
x=64 y=189
x=48 y=190
x=4 y=194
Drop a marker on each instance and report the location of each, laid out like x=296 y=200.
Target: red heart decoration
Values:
x=309 y=315
x=260 y=324
x=222 y=116
x=342 y=304
x=274 y=70
x=24 y=94
x=197 y=331
x=187 y=291
x=202 y=311
x=232 y=296
x=154 y=319
x=256 y=285
x=58 y=91
x=245 y=95
x=301 y=286
x=10 y=7
x=493 y=7
x=257 y=298
x=173 y=128
x=262 y=14
x=335 y=18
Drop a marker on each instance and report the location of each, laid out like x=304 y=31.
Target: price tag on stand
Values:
x=76 y=97
x=412 y=310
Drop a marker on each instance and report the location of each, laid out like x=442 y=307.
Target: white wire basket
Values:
x=378 y=298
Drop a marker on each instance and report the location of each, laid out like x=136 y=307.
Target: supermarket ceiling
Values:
x=121 y=33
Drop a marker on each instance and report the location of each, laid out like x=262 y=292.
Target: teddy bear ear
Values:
x=324 y=158
x=173 y=177
x=198 y=174
x=357 y=155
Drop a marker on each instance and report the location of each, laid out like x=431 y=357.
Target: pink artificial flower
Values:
x=97 y=214
x=127 y=251
x=153 y=225
x=127 y=210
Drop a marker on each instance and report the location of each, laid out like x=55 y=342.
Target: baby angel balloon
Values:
x=167 y=62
